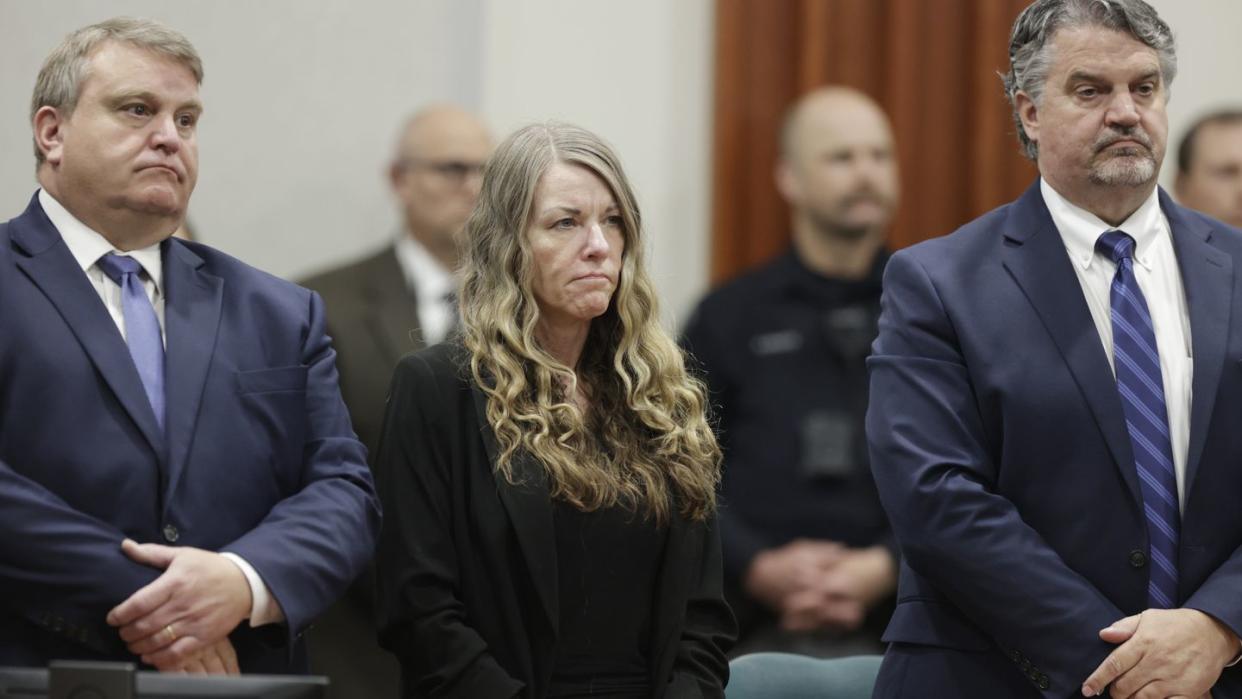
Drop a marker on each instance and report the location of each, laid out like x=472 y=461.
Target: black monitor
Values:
x=83 y=680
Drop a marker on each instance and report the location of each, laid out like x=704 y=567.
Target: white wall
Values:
x=303 y=103
x=304 y=99
x=638 y=73
x=1209 y=57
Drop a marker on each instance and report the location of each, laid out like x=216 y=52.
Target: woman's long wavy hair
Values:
x=644 y=443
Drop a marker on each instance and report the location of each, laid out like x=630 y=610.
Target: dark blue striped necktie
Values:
x=1141 y=385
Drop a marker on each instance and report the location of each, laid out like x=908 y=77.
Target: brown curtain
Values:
x=932 y=64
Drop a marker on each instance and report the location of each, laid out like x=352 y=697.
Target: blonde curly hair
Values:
x=644 y=443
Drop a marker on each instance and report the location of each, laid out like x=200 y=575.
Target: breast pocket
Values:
x=279 y=380
x=274 y=403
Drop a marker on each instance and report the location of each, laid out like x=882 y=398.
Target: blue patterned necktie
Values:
x=1139 y=381
x=142 y=328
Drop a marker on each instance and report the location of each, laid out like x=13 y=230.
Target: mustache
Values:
x=865 y=194
x=1114 y=135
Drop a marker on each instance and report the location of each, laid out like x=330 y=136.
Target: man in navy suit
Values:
x=179 y=482
x=1056 y=391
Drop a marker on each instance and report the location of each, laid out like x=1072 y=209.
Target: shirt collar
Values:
x=1080 y=228
x=87 y=246
x=423 y=273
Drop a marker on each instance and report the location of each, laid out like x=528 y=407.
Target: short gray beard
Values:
x=1123 y=171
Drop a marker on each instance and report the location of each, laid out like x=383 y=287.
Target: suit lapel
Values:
x=1207 y=277
x=530 y=511
x=49 y=264
x=192 y=304
x=392 y=311
x=1035 y=257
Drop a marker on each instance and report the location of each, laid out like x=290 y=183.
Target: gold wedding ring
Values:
x=172 y=635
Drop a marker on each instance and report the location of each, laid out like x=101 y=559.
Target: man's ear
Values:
x=49 y=133
x=1028 y=112
x=786 y=180
x=397 y=172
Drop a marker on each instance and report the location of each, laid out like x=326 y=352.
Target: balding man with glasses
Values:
x=397 y=300
x=402 y=298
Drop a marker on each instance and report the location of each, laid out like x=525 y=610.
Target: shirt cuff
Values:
x=1236 y=659
x=264 y=609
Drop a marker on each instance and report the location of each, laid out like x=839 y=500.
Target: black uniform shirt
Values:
x=783 y=352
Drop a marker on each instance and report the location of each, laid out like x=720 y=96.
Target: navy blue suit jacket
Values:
x=259 y=458
x=1001 y=455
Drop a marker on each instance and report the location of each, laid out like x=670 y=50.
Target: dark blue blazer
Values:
x=1001 y=455
x=258 y=459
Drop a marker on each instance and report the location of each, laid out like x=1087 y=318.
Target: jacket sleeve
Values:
x=938 y=483
x=701 y=668
x=61 y=568
x=314 y=542
x=1218 y=595
x=706 y=345
x=421 y=616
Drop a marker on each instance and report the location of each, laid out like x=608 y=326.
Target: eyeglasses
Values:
x=455 y=171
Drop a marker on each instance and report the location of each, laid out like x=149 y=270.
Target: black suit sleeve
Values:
x=421 y=616
x=701 y=668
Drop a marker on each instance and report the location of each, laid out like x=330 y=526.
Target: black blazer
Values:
x=467 y=562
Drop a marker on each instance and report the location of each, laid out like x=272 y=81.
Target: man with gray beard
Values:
x=806 y=552
x=1056 y=392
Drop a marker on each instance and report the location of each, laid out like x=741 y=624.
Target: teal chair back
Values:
x=788 y=676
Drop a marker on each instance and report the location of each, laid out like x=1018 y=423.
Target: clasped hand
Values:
x=181 y=621
x=1163 y=654
x=814 y=584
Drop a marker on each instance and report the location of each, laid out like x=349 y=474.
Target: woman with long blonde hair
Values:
x=549 y=476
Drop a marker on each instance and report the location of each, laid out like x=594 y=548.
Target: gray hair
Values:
x=1030 y=54
x=60 y=79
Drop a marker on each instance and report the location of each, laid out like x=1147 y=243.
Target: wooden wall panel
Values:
x=932 y=64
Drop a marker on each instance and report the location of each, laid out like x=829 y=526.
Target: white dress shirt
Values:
x=1155 y=268
x=87 y=247
x=432 y=284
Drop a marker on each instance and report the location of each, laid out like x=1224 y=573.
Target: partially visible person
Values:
x=551 y=474
x=808 y=560
x=179 y=483
x=394 y=301
x=403 y=297
x=1209 y=167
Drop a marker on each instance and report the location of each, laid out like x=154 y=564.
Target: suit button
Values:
x=1138 y=558
x=171 y=534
